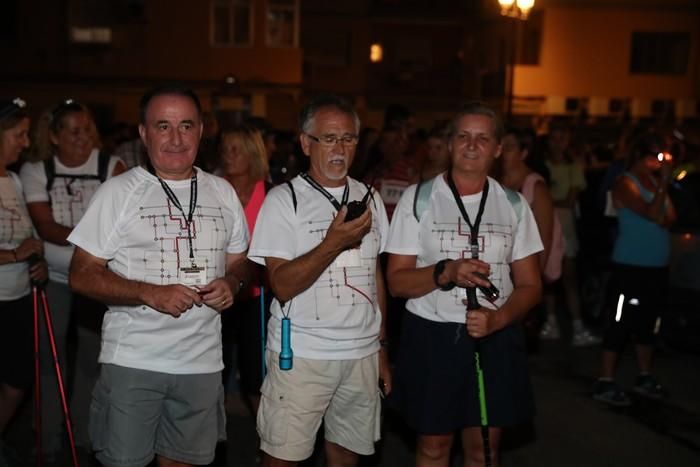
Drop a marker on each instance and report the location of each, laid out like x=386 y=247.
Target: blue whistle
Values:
x=286 y=354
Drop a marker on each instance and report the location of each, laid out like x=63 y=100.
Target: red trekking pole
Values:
x=38 y=289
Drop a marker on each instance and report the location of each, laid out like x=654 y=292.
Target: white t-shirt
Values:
x=69 y=199
x=442 y=233
x=15 y=227
x=133 y=225
x=338 y=317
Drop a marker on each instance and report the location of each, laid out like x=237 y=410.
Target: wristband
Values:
x=439 y=268
x=384 y=343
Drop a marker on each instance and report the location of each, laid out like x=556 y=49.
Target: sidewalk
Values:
x=570 y=429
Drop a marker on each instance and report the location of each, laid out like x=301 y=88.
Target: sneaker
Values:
x=585 y=338
x=648 y=386
x=549 y=331
x=610 y=393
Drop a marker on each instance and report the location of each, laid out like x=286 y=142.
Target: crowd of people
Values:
x=302 y=276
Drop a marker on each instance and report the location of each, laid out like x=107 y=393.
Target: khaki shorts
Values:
x=136 y=414
x=342 y=393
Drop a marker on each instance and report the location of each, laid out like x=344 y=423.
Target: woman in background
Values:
x=244 y=164
x=20 y=264
x=640 y=267
x=67 y=170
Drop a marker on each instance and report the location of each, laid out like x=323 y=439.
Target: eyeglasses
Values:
x=332 y=140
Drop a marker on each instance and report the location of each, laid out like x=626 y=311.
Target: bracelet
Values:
x=14 y=254
x=439 y=268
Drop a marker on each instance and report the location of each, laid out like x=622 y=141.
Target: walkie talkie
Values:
x=357 y=208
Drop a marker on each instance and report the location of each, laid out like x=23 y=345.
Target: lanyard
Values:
x=473 y=228
x=176 y=202
x=315 y=185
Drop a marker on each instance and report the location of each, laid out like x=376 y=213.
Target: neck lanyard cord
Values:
x=316 y=186
x=176 y=202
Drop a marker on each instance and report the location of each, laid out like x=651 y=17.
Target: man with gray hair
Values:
x=320 y=236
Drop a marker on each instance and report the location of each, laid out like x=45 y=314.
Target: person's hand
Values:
x=480 y=323
x=39 y=272
x=468 y=272
x=173 y=299
x=385 y=379
x=344 y=235
x=29 y=247
x=666 y=169
x=217 y=294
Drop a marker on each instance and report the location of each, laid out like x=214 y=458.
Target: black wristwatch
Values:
x=439 y=268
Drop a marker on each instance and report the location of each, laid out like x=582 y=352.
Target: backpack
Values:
x=51 y=175
x=421 y=199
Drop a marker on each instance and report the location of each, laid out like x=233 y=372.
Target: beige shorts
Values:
x=342 y=393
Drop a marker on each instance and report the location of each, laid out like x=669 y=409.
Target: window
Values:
x=660 y=52
x=231 y=23
x=282 y=23
x=90 y=21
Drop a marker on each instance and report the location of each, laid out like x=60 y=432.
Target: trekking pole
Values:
x=262 y=330
x=473 y=304
x=37 y=375
x=59 y=375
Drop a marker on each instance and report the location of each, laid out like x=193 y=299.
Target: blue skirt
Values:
x=436 y=388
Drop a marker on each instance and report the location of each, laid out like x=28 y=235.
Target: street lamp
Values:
x=518 y=10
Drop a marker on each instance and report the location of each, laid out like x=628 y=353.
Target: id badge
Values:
x=349 y=259
x=193 y=276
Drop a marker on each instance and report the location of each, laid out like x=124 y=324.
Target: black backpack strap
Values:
x=50 y=170
x=102 y=166
x=294 y=196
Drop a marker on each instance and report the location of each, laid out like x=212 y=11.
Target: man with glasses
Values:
x=325 y=352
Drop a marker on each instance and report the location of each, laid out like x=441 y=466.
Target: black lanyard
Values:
x=473 y=228
x=315 y=185
x=193 y=204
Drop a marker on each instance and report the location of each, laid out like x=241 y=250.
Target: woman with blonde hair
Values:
x=58 y=186
x=243 y=162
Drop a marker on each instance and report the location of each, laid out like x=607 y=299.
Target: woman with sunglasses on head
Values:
x=470 y=235
x=58 y=186
x=20 y=265
x=243 y=163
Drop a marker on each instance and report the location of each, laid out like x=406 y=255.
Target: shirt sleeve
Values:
x=34 y=182
x=275 y=229
x=404 y=233
x=527 y=239
x=383 y=221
